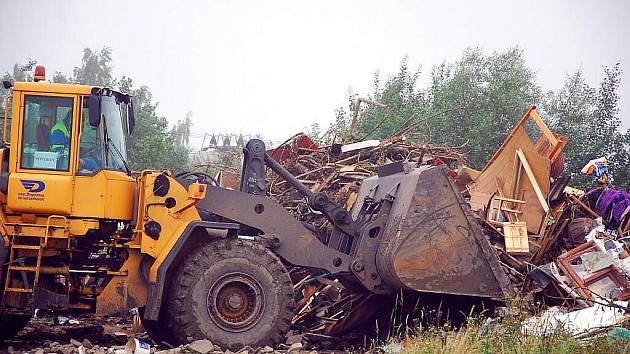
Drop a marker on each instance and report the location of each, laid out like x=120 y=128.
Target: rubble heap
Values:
x=556 y=244
x=339 y=169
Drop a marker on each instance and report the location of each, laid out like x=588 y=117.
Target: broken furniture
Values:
x=581 y=284
x=522 y=166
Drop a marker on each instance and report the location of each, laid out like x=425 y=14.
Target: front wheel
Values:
x=234 y=293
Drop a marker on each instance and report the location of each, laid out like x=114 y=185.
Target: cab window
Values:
x=91 y=144
x=47 y=133
x=103 y=147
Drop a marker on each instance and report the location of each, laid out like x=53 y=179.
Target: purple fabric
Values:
x=618 y=210
x=608 y=197
x=611 y=206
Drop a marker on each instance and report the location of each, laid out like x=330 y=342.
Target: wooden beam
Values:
x=532 y=179
x=584 y=206
x=521 y=121
x=544 y=129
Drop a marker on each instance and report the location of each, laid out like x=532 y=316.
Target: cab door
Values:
x=102 y=188
x=44 y=155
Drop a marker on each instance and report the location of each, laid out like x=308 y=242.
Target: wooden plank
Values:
x=351 y=200
x=544 y=129
x=324 y=184
x=511 y=200
x=499 y=208
x=504 y=167
x=511 y=261
x=547 y=240
x=518 y=125
x=584 y=206
x=532 y=179
x=511 y=210
x=516 y=241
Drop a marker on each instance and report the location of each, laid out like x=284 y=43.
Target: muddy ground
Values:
x=99 y=335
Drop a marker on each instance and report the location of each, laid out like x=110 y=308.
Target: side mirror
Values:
x=131 y=118
x=94 y=106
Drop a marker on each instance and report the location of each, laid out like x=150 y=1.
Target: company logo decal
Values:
x=34 y=190
x=33 y=186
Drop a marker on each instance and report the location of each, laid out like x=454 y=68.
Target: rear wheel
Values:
x=234 y=293
x=10 y=325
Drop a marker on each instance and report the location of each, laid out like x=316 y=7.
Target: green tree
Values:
x=475 y=101
x=20 y=72
x=151 y=146
x=589 y=116
x=402 y=97
x=488 y=94
x=60 y=78
x=95 y=69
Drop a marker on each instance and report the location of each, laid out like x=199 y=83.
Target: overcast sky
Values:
x=273 y=67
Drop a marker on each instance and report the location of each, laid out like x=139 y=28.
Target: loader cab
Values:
x=68 y=151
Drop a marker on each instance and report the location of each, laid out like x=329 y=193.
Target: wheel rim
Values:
x=235 y=302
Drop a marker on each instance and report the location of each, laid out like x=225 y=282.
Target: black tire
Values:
x=234 y=293
x=159 y=331
x=10 y=325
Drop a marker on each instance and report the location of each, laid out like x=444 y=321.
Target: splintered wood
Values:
x=523 y=165
x=339 y=169
x=528 y=213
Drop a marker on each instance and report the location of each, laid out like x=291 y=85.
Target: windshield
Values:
x=103 y=147
x=115 y=148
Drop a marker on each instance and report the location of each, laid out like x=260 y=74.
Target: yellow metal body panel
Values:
x=106 y=195
x=124 y=291
x=39 y=191
x=61 y=205
x=52 y=88
x=52 y=194
x=17 y=225
x=173 y=224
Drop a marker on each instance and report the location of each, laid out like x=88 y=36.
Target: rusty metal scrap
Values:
x=340 y=174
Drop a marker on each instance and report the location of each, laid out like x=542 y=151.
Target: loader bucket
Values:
x=432 y=241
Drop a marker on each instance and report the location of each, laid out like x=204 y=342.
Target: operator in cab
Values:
x=60 y=135
x=60 y=139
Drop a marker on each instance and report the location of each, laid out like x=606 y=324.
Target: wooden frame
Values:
x=581 y=285
x=519 y=153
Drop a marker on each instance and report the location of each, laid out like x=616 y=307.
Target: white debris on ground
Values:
x=576 y=322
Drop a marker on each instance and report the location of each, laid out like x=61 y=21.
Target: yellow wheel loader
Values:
x=80 y=234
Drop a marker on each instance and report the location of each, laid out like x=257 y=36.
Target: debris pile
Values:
x=324 y=305
x=66 y=334
x=556 y=244
x=339 y=169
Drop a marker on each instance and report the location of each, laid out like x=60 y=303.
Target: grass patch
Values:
x=506 y=337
